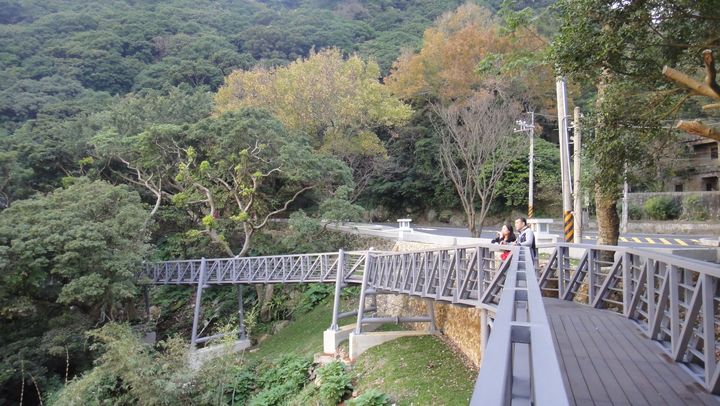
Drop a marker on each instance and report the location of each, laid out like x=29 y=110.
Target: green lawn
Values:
x=303 y=336
x=415 y=371
x=410 y=370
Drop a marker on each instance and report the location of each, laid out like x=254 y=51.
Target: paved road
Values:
x=632 y=240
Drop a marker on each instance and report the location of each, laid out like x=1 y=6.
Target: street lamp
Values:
x=530 y=128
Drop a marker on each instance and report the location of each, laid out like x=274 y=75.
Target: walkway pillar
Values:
x=431 y=313
x=198 y=303
x=338 y=287
x=363 y=291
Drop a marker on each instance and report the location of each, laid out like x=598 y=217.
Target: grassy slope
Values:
x=303 y=336
x=411 y=370
x=415 y=371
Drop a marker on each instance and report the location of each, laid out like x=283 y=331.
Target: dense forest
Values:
x=142 y=130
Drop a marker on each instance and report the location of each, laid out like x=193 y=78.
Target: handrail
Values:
x=520 y=363
x=700 y=266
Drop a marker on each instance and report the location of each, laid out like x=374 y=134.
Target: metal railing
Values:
x=459 y=275
x=673 y=299
x=520 y=365
x=454 y=275
x=300 y=268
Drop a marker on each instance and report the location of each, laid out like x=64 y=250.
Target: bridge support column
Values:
x=241 y=314
x=198 y=303
x=431 y=315
x=364 y=292
x=484 y=330
x=338 y=288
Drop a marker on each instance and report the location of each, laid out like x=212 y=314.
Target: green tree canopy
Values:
x=84 y=243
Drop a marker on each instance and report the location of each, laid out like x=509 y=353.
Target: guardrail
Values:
x=455 y=275
x=520 y=365
x=674 y=300
x=300 y=268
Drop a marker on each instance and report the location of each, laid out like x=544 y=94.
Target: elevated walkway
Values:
x=606 y=360
x=618 y=326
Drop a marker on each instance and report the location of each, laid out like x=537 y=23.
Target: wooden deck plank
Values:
x=652 y=364
x=609 y=345
x=607 y=360
x=575 y=385
x=671 y=373
x=562 y=362
x=607 y=377
x=586 y=368
x=623 y=361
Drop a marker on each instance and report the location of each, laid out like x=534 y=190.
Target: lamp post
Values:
x=530 y=128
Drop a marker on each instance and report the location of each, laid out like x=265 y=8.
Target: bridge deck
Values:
x=606 y=360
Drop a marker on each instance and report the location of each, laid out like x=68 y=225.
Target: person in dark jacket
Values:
x=527 y=237
x=504 y=237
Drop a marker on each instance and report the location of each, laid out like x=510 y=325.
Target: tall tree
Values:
x=338 y=103
x=621 y=47
x=477 y=144
x=466 y=50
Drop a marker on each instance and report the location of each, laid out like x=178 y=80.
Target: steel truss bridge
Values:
x=617 y=326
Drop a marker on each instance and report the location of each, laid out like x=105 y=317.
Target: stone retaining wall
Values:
x=460 y=325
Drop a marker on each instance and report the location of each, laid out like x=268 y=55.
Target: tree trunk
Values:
x=472 y=227
x=267 y=297
x=607 y=217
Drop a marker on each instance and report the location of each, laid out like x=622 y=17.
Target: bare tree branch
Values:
x=282 y=209
x=699 y=128
x=477 y=143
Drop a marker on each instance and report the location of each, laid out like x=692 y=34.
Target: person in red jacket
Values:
x=504 y=237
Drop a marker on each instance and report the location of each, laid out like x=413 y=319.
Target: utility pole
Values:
x=524 y=126
x=577 y=204
x=568 y=227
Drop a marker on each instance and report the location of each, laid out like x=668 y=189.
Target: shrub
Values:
x=373 y=397
x=634 y=212
x=693 y=208
x=313 y=295
x=661 y=208
x=335 y=383
x=281 y=381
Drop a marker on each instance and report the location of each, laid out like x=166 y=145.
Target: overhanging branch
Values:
x=699 y=128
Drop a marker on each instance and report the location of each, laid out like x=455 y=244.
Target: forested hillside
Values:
x=142 y=130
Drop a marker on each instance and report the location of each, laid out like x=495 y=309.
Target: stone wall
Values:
x=459 y=324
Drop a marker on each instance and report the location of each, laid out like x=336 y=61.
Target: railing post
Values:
x=241 y=314
x=363 y=291
x=338 y=287
x=198 y=303
x=626 y=283
x=708 y=316
x=458 y=264
x=561 y=272
x=650 y=291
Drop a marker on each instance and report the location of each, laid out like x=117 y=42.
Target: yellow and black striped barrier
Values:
x=569 y=226
x=531 y=212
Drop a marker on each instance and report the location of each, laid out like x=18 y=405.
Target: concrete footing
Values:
x=359 y=343
x=332 y=338
x=199 y=356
